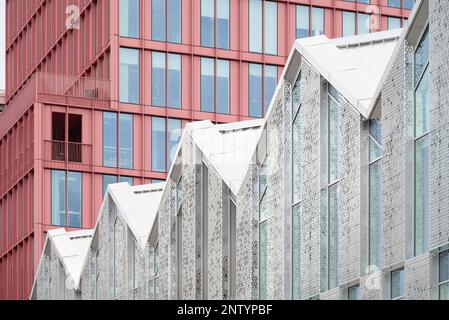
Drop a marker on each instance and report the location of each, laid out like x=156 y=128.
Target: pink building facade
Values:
x=98 y=92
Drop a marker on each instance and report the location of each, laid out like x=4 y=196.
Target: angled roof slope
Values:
x=353 y=65
x=137 y=206
x=72 y=248
x=228 y=147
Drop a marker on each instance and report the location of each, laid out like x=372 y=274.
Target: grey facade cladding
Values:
x=194 y=240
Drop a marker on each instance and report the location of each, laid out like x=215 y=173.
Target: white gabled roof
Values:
x=72 y=248
x=355 y=65
x=228 y=147
x=137 y=206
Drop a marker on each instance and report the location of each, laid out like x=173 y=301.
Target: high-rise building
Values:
x=98 y=92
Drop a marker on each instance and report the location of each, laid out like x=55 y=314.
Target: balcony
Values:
x=62 y=154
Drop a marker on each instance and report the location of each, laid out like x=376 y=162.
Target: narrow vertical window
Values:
x=223 y=24
x=207 y=85
x=296 y=189
x=126 y=141
x=129 y=75
x=158 y=15
x=263 y=233
x=66 y=200
x=74 y=199
x=302 y=22
x=397 y=284
x=107 y=180
x=363 y=23
x=158 y=79
x=174 y=81
x=174 y=131
x=375 y=193
x=348 y=23
x=422 y=143
x=444 y=275
x=158 y=147
x=109 y=139
x=207 y=23
x=223 y=86
x=174 y=21
x=271 y=79
x=354 y=292
x=129 y=18
x=255 y=90
x=333 y=212
x=255 y=25
x=317 y=21
x=271 y=27
x=58 y=198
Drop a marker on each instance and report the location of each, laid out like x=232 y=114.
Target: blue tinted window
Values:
x=207 y=85
x=223 y=86
x=66 y=184
x=58 y=198
x=174 y=81
x=255 y=25
x=223 y=24
x=255 y=90
x=158 y=20
x=302 y=22
x=109 y=139
x=207 y=23
x=126 y=141
x=174 y=132
x=271 y=78
x=158 y=79
x=158 y=147
x=129 y=75
x=271 y=27
x=174 y=21
x=129 y=18
x=107 y=180
x=74 y=201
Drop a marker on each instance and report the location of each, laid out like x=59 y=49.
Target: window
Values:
x=258 y=77
x=166 y=134
x=422 y=143
x=158 y=141
x=207 y=23
x=296 y=189
x=333 y=213
x=162 y=10
x=271 y=79
x=263 y=26
x=211 y=85
x=69 y=142
x=161 y=75
x=397 y=284
x=302 y=22
x=158 y=79
x=207 y=85
x=354 y=292
x=394 y=23
x=363 y=23
x=444 y=275
x=317 y=21
x=125 y=140
x=263 y=233
x=129 y=18
x=375 y=193
x=407 y=4
x=174 y=131
x=66 y=200
x=107 y=180
x=129 y=75
x=348 y=23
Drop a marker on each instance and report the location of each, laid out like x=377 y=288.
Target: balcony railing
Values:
x=72 y=152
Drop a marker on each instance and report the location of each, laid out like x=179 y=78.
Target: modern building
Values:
x=98 y=92
x=339 y=193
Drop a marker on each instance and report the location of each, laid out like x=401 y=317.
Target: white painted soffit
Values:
x=138 y=207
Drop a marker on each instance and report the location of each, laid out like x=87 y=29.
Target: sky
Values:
x=2 y=44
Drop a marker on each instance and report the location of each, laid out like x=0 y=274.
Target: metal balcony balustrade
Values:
x=70 y=152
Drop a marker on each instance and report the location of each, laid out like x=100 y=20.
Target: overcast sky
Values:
x=2 y=44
